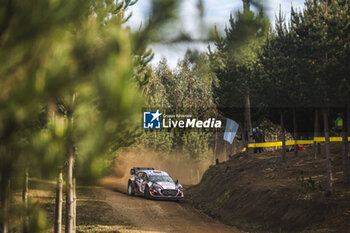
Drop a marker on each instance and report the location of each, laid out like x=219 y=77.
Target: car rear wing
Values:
x=135 y=169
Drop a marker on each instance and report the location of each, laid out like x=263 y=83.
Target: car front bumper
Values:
x=155 y=194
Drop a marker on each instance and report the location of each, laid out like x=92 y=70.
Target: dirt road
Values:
x=160 y=216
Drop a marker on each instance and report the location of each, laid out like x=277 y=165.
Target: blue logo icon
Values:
x=151 y=120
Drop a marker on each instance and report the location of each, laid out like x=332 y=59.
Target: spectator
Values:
x=259 y=137
x=338 y=125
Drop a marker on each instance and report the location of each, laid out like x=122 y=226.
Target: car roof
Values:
x=155 y=172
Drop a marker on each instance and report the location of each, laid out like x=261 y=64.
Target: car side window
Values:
x=144 y=176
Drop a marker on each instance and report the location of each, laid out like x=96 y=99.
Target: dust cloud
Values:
x=186 y=170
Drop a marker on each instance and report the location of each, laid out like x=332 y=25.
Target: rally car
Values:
x=153 y=184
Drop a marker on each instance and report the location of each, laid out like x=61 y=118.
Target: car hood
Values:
x=167 y=185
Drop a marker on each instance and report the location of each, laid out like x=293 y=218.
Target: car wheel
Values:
x=147 y=196
x=131 y=191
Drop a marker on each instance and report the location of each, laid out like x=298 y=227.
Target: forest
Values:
x=74 y=80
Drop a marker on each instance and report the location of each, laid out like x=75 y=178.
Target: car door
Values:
x=144 y=182
x=139 y=181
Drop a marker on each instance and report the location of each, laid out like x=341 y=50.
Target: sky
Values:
x=216 y=13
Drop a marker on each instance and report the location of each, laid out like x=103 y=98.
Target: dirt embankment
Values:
x=260 y=193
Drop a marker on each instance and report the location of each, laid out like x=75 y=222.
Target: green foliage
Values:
x=99 y=90
x=30 y=217
x=235 y=63
x=161 y=141
x=196 y=144
x=70 y=78
x=278 y=60
x=307 y=184
x=303 y=60
x=187 y=90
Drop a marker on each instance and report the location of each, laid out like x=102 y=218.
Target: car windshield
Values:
x=161 y=179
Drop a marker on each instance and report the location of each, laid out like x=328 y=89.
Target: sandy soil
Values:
x=110 y=209
x=160 y=216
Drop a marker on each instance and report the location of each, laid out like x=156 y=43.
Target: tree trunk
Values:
x=216 y=145
x=345 y=133
x=198 y=178
x=316 y=146
x=70 y=211
x=247 y=121
x=5 y=189
x=234 y=147
x=246 y=5
x=59 y=203
x=283 y=137
x=328 y=154
x=348 y=131
x=25 y=187
x=69 y=192
x=244 y=138
x=25 y=201
x=295 y=126
x=74 y=205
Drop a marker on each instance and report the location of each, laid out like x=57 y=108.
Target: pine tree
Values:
x=69 y=89
x=234 y=66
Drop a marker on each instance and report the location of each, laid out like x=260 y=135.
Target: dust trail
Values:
x=186 y=170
